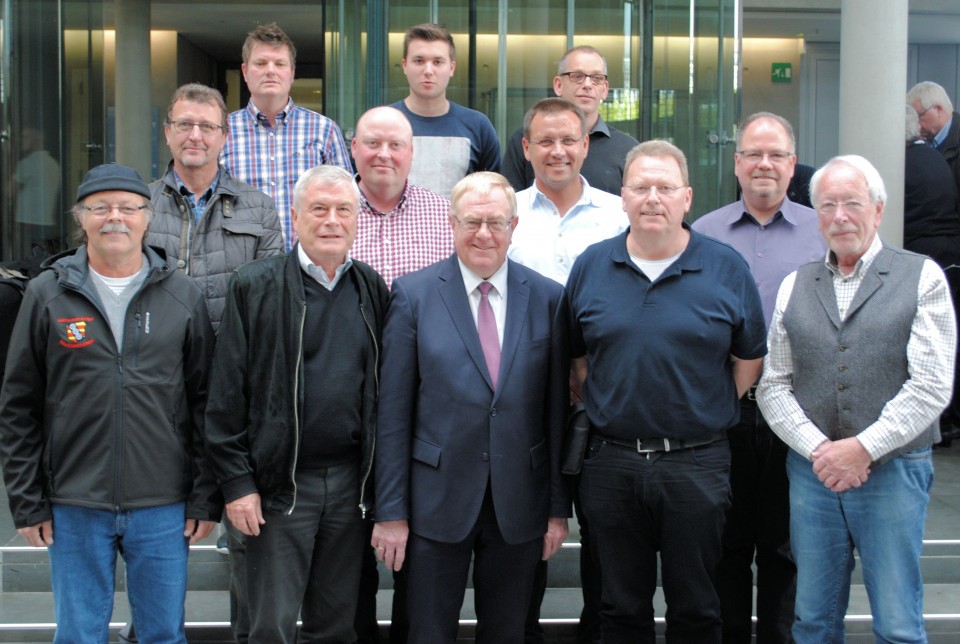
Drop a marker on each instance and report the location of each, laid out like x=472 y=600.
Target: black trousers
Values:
x=758 y=526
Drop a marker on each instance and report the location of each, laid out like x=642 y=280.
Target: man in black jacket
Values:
x=292 y=415
x=101 y=418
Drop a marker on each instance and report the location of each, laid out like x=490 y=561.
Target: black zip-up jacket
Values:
x=255 y=410
x=83 y=422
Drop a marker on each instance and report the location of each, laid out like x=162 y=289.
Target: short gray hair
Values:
x=912 y=130
x=878 y=193
x=756 y=116
x=326 y=175
x=929 y=94
x=482 y=183
x=658 y=148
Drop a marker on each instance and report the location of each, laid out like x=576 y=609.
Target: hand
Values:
x=841 y=465
x=556 y=532
x=197 y=529
x=390 y=542
x=39 y=535
x=245 y=515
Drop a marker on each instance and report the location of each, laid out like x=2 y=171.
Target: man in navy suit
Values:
x=474 y=390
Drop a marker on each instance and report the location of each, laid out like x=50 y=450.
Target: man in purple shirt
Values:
x=775 y=236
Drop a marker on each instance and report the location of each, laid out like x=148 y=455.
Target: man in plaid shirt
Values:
x=401 y=227
x=272 y=141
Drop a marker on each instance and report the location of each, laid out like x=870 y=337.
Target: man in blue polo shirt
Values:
x=667 y=333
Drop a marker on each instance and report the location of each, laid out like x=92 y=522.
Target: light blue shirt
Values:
x=942 y=134
x=549 y=243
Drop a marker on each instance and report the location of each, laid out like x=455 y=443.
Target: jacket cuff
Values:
x=240 y=486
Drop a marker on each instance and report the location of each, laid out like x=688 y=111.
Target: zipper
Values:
x=296 y=396
x=376 y=383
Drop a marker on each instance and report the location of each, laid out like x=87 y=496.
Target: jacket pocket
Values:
x=426 y=453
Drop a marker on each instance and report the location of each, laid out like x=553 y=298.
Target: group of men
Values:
x=405 y=352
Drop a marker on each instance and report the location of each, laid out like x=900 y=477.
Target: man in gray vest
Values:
x=860 y=365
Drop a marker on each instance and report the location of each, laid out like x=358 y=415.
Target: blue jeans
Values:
x=83 y=560
x=884 y=521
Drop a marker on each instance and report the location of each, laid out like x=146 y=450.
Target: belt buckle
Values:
x=640 y=450
x=752 y=393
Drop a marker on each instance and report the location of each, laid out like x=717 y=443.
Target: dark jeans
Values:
x=667 y=503
x=308 y=562
x=758 y=524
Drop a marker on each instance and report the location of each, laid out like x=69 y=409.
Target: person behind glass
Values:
x=861 y=361
x=939 y=124
x=101 y=418
x=474 y=393
x=667 y=334
x=775 y=236
x=931 y=227
x=401 y=228
x=581 y=79
x=562 y=215
x=272 y=141
x=292 y=413
x=450 y=140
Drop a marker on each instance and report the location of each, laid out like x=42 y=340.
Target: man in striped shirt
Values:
x=272 y=141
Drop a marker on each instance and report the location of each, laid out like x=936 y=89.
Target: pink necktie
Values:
x=487 y=327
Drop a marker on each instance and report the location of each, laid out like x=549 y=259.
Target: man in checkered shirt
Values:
x=401 y=227
x=272 y=141
x=860 y=365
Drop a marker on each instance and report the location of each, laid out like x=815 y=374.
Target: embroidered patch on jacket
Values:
x=76 y=332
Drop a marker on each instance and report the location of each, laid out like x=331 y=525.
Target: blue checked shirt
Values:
x=272 y=159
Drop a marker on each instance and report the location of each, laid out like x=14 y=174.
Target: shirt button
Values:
x=485 y=457
x=843 y=347
x=181 y=263
x=841 y=387
x=842 y=367
x=493 y=412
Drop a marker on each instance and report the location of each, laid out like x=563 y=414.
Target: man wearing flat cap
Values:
x=101 y=418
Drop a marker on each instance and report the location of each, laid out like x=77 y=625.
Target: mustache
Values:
x=115 y=228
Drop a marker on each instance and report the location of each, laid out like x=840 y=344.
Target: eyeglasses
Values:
x=756 y=156
x=920 y=114
x=830 y=207
x=663 y=191
x=102 y=209
x=577 y=78
x=547 y=144
x=495 y=226
x=185 y=127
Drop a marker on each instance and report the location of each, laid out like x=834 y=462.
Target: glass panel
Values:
x=693 y=92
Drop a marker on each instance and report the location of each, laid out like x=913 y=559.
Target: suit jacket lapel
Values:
x=454 y=296
x=518 y=299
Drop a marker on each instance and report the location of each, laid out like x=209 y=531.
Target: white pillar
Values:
x=134 y=136
x=873 y=88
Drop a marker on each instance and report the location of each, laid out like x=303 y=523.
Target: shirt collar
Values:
x=397 y=209
x=471 y=280
x=184 y=190
x=862 y=264
x=259 y=117
x=601 y=128
x=785 y=211
x=318 y=273
x=942 y=134
x=586 y=196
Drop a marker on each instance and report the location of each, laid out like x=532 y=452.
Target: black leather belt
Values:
x=651 y=445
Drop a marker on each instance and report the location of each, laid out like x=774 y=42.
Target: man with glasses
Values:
x=101 y=418
x=938 y=122
x=272 y=141
x=581 y=79
x=450 y=140
x=862 y=347
x=562 y=215
x=208 y=223
x=667 y=334
x=776 y=236
x=474 y=392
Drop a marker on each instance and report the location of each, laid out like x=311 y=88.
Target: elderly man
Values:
x=102 y=415
x=291 y=416
x=938 y=123
x=775 y=236
x=401 y=227
x=666 y=334
x=272 y=141
x=207 y=221
x=451 y=140
x=861 y=364
x=562 y=215
x=581 y=79
x=473 y=399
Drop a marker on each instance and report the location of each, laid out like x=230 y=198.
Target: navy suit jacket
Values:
x=443 y=432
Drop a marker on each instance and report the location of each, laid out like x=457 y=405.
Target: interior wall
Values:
x=759 y=91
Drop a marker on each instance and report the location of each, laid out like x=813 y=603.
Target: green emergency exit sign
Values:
x=781 y=73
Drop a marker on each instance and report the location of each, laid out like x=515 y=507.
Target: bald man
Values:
x=401 y=227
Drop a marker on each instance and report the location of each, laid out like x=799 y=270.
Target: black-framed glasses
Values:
x=577 y=78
